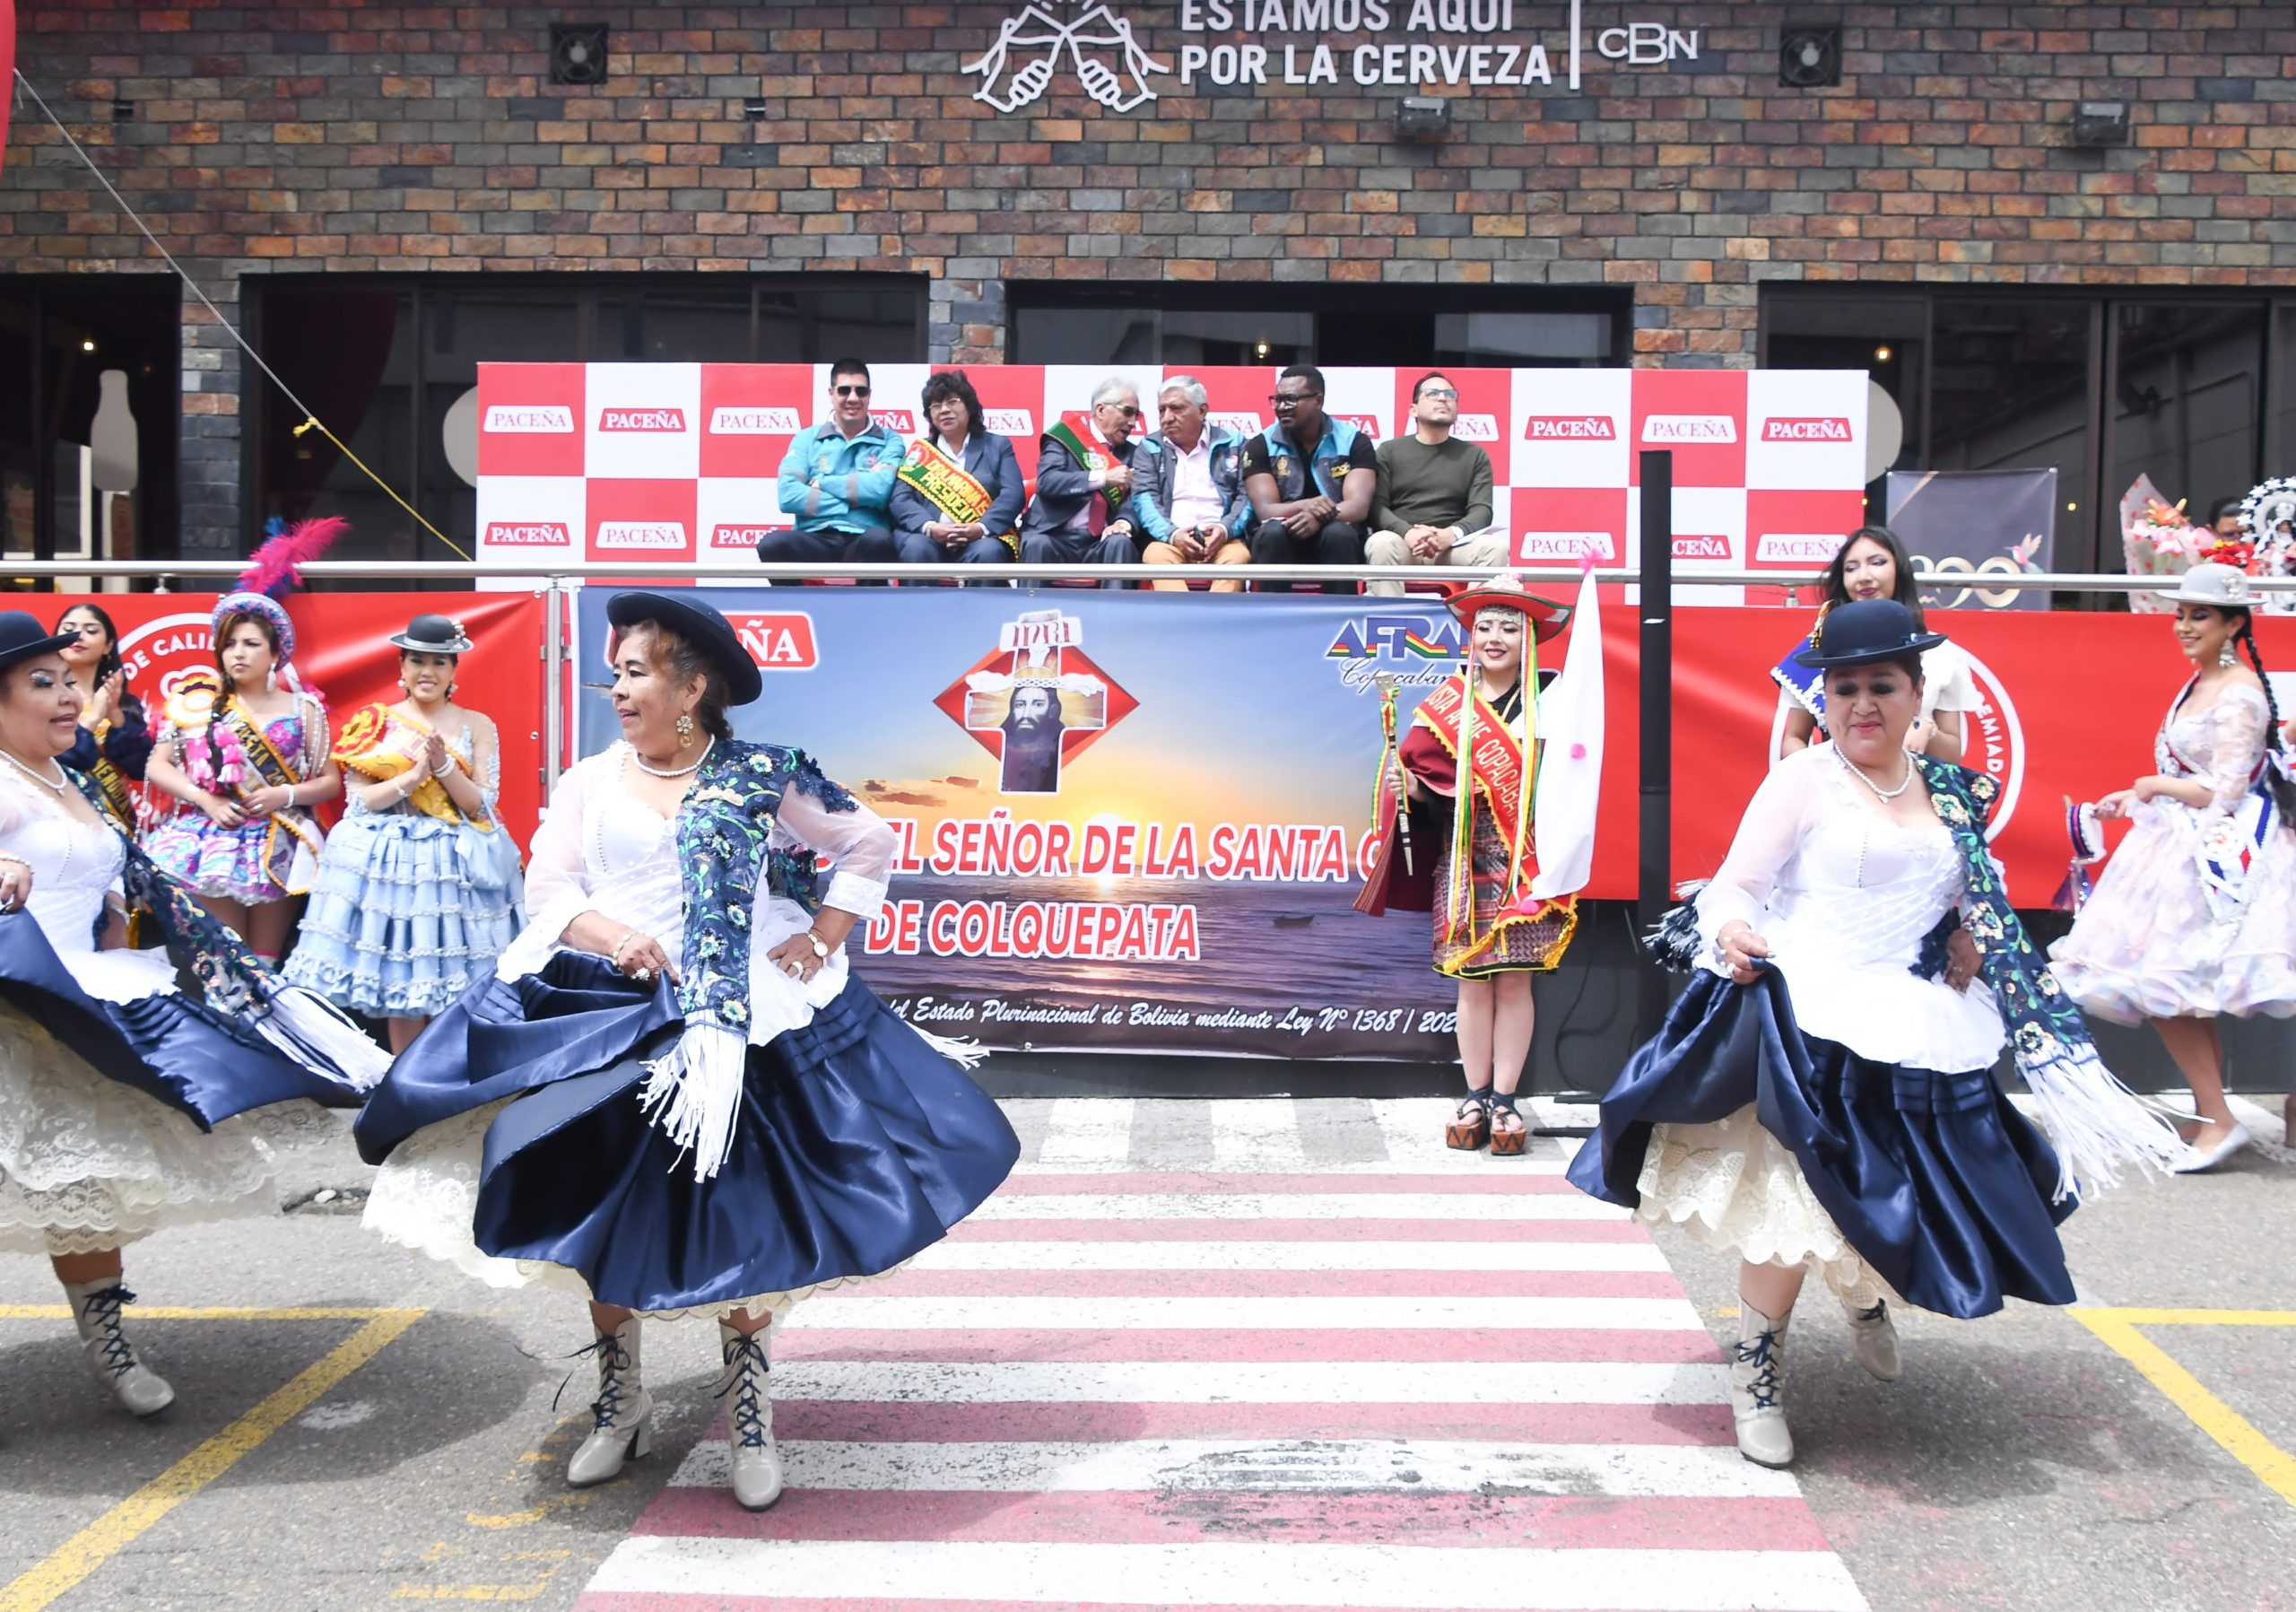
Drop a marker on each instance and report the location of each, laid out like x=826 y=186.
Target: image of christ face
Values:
x=1033 y=732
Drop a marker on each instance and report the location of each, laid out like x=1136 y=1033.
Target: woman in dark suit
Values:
x=938 y=507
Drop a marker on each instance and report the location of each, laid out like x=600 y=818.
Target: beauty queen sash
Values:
x=1075 y=433
x=1497 y=777
x=2231 y=843
x=946 y=484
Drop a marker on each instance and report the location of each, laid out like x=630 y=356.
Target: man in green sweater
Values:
x=1433 y=505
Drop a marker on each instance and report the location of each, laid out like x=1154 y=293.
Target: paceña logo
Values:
x=898 y=421
x=1569 y=428
x=1010 y=421
x=641 y=419
x=1806 y=429
x=1796 y=548
x=1689 y=429
x=1475 y=427
x=779 y=641
x=512 y=419
x=731 y=422
x=739 y=536
x=1571 y=546
x=1704 y=547
x=528 y=534
x=641 y=534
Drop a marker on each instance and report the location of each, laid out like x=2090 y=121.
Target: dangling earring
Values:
x=403 y=689
x=685 y=731
x=271 y=678
x=2225 y=658
x=451 y=687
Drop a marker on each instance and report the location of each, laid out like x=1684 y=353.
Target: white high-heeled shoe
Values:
x=2234 y=1140
x=623 y=1412
x=1874 y=1339
x=111 y=1359
x=1758 y=1388
x=749 y=1417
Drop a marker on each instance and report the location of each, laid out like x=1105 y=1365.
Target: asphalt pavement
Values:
x=359 y=1427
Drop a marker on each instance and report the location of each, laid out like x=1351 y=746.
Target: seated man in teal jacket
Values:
x=837 y=480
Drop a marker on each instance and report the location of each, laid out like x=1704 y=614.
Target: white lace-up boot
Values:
x=749 y=1417
x=111 y=1359
x=1758 y=1390
x=1874 y=1339
x=624 y=1410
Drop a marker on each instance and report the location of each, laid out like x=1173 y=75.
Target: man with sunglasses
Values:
x=1081 y=514
x=1311 y=480
x=1434 y=500
x=837 y=480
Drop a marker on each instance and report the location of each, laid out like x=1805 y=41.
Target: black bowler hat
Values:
x=433 y=635
x=22 y=636
x=700 y=625
x=1865 y=630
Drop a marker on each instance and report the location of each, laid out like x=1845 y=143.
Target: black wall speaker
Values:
x=578 y=53
x=1809 y=56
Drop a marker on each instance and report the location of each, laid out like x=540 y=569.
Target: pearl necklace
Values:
x=673 y=772
x=57 y=788
x=1880 y=794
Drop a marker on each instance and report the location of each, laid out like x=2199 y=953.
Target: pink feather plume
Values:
x=275 y=570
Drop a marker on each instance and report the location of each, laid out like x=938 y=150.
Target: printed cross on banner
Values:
x=1036 y=701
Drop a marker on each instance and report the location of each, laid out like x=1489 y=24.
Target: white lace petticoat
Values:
x=87 y=1163
x=425 y=1197
x=1733 y=1186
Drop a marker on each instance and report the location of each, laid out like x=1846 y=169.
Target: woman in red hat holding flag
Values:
x=1461 y=833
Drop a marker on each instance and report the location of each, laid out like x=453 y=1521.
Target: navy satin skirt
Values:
x=1935 y=1180
x=169 y=1046
x=858 y=1143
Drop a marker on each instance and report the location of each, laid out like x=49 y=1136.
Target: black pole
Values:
x=1655 y=560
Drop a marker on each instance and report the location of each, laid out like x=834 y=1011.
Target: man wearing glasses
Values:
x=1080 y=514
x=1311 y=480
x=837 y=480
x=1434 y=500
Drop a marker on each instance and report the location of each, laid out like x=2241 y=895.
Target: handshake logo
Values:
x=1017 y=70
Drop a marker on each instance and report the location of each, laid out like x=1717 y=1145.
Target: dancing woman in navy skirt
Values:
x=1822 y=1097
x=673 y=1098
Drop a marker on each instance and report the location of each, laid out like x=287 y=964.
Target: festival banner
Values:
x=342 y=655
x=1977 y=524
x=1136 y=822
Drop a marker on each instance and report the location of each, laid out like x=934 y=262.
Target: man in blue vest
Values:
x=1311 y=480
x=837 y=480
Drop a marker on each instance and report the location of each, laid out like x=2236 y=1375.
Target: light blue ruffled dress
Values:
x=407 y=910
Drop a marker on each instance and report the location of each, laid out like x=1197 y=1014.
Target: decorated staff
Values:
x=2195 y=917
x=1822 y=1095
x=1484 y=779
x=245 y=759
x=418 y=886
x=958 y=493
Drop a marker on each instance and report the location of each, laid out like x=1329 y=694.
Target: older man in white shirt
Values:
x=1189 y=497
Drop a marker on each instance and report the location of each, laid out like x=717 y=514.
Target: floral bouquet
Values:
x=2158 y=540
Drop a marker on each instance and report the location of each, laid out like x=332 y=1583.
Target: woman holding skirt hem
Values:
x=673 y=1098
x=1822 y=1097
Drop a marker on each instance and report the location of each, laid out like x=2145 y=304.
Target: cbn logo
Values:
x=1407 y=638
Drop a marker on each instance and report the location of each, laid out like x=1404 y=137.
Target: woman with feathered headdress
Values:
x=244 y=754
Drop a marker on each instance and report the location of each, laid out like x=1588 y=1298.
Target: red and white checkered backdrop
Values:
x=678 y=461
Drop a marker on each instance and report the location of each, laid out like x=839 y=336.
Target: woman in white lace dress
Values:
x=676 y=1100
x=124 y=1105
x=1822 y=1097
x=2195 y=914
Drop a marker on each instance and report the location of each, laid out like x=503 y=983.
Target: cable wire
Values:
x=311 y=421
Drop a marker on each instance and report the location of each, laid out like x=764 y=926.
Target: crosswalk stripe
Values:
x=1482 y=1254
x=1280 y=1207
x=1213 y=1381
x=1397 y=1466
x=1226 y=1574
x=1351 y=1284
x=1467 y=1416
x=1085 y=1129
x=870 y=1309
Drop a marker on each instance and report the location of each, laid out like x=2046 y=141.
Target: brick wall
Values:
x=371 y=136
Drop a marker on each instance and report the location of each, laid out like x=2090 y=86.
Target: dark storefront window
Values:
x=1061 y=322
x=73 y=351
x=2197 y=391
x=383 y=361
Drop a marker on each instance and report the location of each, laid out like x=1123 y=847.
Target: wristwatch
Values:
x=821 y=947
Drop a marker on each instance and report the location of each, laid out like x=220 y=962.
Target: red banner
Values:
x=2071 y=702
x=341 y=654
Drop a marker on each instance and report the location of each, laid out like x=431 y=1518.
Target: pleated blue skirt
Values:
x=857 y=1146
x=1935 y=1180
